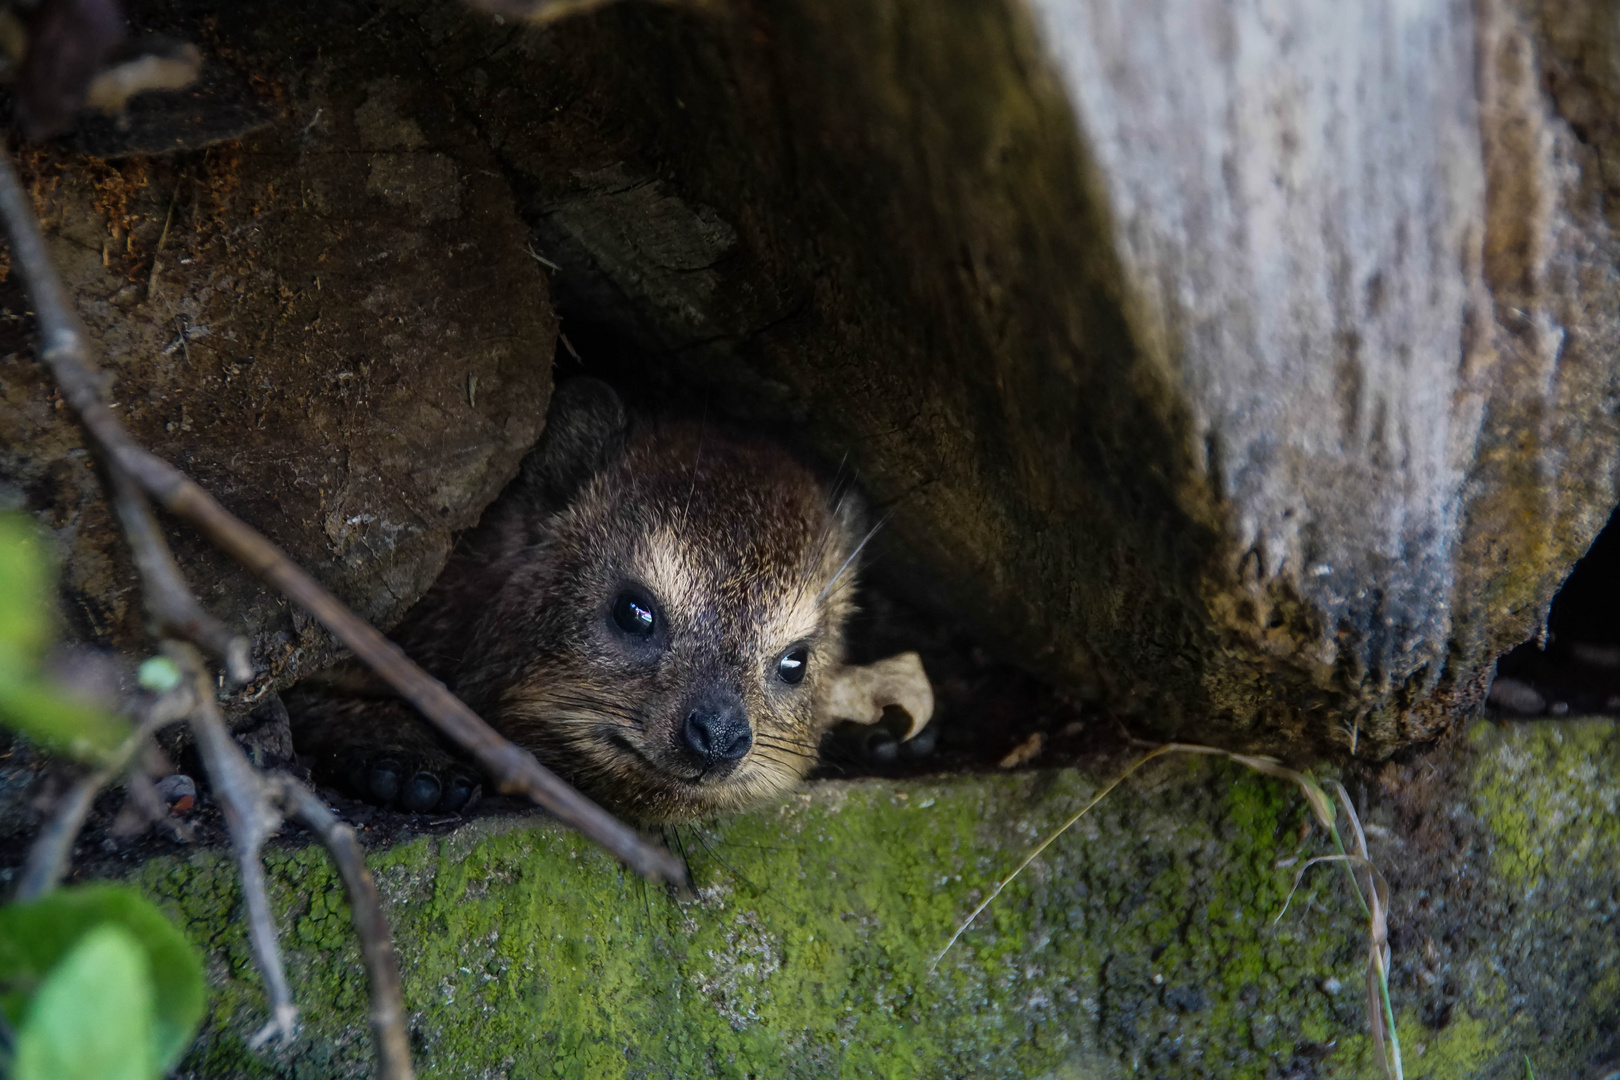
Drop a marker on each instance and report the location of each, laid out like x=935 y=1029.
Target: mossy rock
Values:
x=1147 y=941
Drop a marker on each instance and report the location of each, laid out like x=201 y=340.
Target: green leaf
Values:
x=92 y=1017
x=34 y=937
x=28 y=703
x=25 y=581
x=32 y=706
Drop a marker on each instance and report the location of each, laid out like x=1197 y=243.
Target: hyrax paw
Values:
x=460 y=792
x=414 y=786
x=861 y=694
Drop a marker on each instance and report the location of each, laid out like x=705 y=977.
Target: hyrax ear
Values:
x=585 y=430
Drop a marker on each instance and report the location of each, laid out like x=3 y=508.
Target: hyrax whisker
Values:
x=781 y=737
x=779 y=753
x=792 y=748
x=784 y=737
x=852 y=556
x=770 y=753
x=778 y=763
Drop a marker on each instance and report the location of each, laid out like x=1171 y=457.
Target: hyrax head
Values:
x=678 y=617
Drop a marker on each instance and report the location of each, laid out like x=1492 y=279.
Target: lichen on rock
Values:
x=1145 y=941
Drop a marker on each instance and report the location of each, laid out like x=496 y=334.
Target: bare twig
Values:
x=370 y=923
x=48 y=858
x=515 y=771
x=173 y=608
x=251 y=819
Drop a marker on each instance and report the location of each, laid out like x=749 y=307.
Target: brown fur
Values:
x=740 y=546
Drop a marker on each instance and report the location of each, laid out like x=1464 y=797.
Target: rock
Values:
x=333 y=325
x=1146 y=940
x=178 y=791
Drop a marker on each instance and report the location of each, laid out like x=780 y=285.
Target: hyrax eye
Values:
x=634 y=615
x=790 y=669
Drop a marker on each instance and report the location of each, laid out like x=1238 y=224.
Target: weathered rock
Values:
x=333 y=325
x=1147 y=941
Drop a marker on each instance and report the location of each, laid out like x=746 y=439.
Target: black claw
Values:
x=882 y=747
x=422 y=793
x=457 y=793
x=383 y=779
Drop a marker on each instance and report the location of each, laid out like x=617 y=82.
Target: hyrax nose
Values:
x=717 y=729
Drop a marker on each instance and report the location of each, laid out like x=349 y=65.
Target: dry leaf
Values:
x=1024 y=753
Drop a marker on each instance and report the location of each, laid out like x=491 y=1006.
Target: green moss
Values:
x=809 y=950
x=1467 y=1046
x=1146 y=941
x=1537 y=785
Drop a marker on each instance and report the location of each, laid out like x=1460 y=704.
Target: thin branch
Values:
x=48 y=857
x=514 y=770
x=370 y=923
x=251 y=819
x=173 y=608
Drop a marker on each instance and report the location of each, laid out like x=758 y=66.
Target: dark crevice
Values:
x=1576 y=670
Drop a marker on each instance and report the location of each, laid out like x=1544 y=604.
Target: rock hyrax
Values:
x=655 y=610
